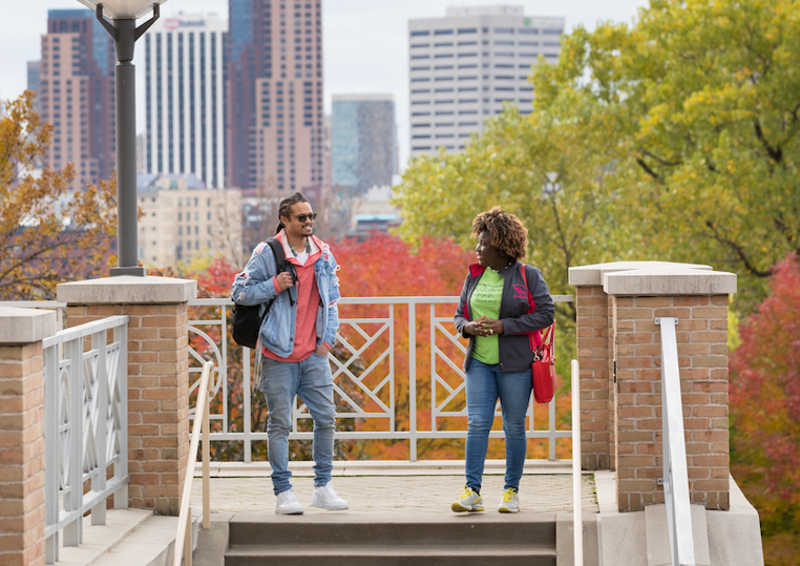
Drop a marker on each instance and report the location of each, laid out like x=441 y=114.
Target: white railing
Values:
x=368 y=393
x=676 y=477
x=85 y=427
x=577 y=500
x=183 y=538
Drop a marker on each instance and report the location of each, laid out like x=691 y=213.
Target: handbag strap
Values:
x=535 y=337
x=538 y=339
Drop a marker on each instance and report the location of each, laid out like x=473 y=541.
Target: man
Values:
x=296 y=335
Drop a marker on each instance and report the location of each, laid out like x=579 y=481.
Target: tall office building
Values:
x=34 y=82
x=463 y=67
x=275 y=120
x=363 y=141
x=185 y=98
x=76 y=95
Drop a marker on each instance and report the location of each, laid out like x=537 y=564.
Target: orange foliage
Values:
x=385 y=266
x=377 y=267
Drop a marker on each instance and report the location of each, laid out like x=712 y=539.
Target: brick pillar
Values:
x=698 y=299
x=596 y=386
x=22 y=434
x=595 y=341
x=158 y=376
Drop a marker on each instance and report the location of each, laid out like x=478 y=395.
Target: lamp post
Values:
x=123 y=30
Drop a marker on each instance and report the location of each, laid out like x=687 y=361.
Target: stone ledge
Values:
x=127 y=290
x=592 y=275
x=669 y=280
x=25 y=326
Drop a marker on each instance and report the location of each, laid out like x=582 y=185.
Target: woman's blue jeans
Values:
x=485 y=384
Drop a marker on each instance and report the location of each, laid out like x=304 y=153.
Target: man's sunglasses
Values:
x=303 y=217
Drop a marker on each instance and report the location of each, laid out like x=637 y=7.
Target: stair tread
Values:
x=439 y=549
x=348 y=517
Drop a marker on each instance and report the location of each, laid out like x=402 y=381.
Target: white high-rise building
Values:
x=185 y=97
x=463 y=67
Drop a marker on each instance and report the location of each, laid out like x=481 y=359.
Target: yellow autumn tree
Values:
x=47 y=235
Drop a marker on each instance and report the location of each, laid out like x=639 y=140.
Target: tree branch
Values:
x=775 y=153
x=646 y=168
x=738 y=250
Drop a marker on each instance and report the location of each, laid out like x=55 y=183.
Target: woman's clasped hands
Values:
x=484 y=326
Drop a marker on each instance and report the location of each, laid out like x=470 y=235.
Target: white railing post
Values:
x=52 y=394
x=100 y=424
x=247 y=399
x=577 y=502
x=675 y=473
x=74 y=407
x=412 y=379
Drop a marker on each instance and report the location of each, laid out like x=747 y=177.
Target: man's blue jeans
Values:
x=485 y=383
x=312 y=381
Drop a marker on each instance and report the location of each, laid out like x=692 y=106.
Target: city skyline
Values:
x=349 y=25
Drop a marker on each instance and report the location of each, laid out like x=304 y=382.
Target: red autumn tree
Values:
x=765 y=414
x=386 y=266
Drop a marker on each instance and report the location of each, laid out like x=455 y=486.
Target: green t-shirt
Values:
x=485 y=300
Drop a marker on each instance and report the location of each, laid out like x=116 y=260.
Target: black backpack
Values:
x=246 y=322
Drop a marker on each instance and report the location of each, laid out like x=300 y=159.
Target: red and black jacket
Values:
x=513 y=344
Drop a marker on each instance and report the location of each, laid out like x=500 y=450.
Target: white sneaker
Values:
x=510 y=502
x=327 y=498
x=470 y=501
x=287 y=504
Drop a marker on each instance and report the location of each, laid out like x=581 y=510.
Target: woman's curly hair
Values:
x=506 y=231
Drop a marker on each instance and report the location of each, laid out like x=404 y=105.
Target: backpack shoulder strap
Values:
x=277 y=251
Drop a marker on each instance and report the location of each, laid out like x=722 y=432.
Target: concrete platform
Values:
x=395 y=487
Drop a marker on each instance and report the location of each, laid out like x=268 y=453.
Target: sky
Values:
x=365 y=46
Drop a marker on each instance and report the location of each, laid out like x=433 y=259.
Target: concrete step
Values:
x=130 y=537
x=412 y=554
x=355 y=539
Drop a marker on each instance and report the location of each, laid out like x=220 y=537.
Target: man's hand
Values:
x=284 y=280
x=322 y=350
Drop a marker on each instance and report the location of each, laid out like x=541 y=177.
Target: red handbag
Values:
x=543 y=367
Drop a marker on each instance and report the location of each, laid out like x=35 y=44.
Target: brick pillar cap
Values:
x=127 y=290
x=592 y=275
x=24 y=326
x=673 y=280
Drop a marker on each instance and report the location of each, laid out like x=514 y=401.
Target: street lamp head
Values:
x=122 y=9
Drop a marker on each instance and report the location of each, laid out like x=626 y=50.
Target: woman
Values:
x=493 y=314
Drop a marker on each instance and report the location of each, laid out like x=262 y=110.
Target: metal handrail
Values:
x=577 y=505
x=676 y=477
x=183 y=540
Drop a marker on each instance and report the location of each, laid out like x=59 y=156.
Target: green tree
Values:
x=701 y=98
x=675 y=138
x=42 y=241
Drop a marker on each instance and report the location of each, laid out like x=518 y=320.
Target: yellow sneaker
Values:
x=510 y=501
x=470 y=501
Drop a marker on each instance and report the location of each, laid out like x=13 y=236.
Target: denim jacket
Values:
x=513 y=344
x=254 y=285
